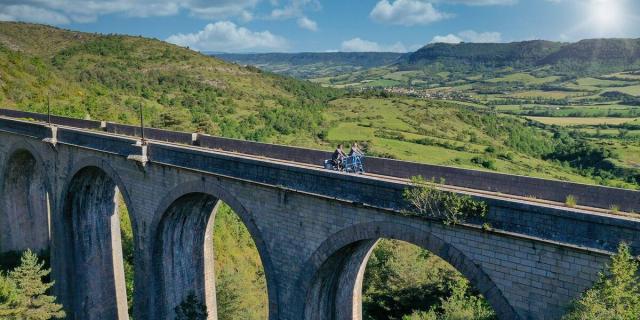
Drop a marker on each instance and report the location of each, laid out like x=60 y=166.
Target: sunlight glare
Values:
x=606 y=15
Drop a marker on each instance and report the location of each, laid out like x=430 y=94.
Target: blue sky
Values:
x=335 y=25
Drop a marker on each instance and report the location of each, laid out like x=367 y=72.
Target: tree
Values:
x=227 y=297
x=32 y=291
x=9 y=300
x=616 y=293
x=23 y=294
x=459 y=306
x=191 y=309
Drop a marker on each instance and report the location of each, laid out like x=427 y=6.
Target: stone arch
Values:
x=90 y=235
x=25 y=201
x=335 y=270
x=191 y=207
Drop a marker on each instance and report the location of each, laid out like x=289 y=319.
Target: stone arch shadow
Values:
x=201 y=193
x=89 y=225
x=358 y=241
x=30 y=196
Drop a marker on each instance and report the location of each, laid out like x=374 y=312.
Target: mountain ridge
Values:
x=616 y=54
x=302 y=64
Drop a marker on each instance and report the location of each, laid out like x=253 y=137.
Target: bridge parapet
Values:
x=552 y=190
x=517 y=216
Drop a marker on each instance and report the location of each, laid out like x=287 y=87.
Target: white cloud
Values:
x=246 y=16
x=450 y=38
x=82 y=11
x=469 y=36
x=406 y=12
x=227 y=37
x=482 y=2
x=481 y=37
x=306 y=23
x=361 y=45
x=293 y=9
x=31 y=14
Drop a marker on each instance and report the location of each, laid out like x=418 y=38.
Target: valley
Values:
x=538 y=108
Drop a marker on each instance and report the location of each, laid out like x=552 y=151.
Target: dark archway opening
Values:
x=392 y=279
x=95 y=266
x=405 y=282
x=24 y=210
x=206 y=251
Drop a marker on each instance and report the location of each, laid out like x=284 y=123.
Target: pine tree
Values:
x=616 y=294
x=32 y=291
x=191 y=309
x=9 y=299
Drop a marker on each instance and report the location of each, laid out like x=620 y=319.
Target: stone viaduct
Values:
x=314 y=229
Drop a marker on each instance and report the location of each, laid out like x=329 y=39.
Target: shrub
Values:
x=485 y=162
x=614 y=208
x=570 y=201
x=427 y=200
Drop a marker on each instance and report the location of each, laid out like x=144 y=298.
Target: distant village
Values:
x=422 y=93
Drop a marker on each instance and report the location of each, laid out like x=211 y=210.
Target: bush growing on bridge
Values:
x=427 y=200
x=616 y=294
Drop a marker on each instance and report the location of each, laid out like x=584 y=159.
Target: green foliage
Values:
x=191 y=308
x=110 y=77
x=126 y=236
x=23 y=294
x=570 y=201
x=400 y=278
x=485 y=162
x=403 y=281
x=460 y=305
x=228 y=295
x=241 y=286
x=614 y=208
x=309 y=65
x=10 y=306
x=580 y=153
x=426 y=200
x=616 y=293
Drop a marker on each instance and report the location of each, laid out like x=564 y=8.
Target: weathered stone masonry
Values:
x=313 y=229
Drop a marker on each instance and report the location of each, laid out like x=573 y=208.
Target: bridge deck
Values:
x=373 y=176
x=444 y=187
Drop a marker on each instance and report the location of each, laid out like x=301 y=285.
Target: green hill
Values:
x=309 y=65
x=110 y=76
x=489 y=55
x=609 y=52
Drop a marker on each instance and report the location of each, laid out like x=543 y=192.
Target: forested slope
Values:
x=111 y=76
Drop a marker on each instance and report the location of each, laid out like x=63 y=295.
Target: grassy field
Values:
x=575 y=111
x=524 y=78
x=568 y=121
x=429 y=132
x=632 y=90
x=533 y=94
